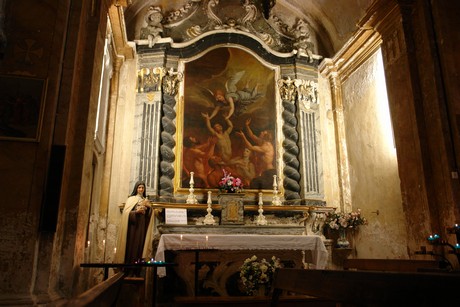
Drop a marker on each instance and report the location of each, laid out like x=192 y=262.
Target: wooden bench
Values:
x=369 y=288
x=101 y=295
x=397 y=265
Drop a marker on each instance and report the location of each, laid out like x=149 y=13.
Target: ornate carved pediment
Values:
x=200 y=17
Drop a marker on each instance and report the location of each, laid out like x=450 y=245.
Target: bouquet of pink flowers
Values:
x=230 y=184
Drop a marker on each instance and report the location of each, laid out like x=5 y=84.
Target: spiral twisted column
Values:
x=167 y=146
x=291 y=150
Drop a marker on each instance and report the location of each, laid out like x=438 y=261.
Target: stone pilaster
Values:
x=331 y=73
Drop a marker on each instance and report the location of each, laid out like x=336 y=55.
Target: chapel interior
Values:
x=356 y=101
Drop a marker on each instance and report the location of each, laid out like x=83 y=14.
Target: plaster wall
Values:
x=123 y=135
x=374 y=179
x=328 y=144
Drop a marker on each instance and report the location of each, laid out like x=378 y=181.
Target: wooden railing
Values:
x=103 y=294
x=106 y=293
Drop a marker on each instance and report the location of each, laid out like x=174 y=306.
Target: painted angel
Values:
x=232 y=96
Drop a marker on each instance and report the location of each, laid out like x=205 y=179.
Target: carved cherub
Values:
x=154 y=28
x=303 y=42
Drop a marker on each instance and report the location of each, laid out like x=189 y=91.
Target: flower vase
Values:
x=342 y=241
x=261 y=291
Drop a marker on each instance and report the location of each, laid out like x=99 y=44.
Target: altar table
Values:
x=312 y=243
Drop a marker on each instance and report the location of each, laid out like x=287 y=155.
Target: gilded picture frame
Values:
x=21 y=107
x=230 y=115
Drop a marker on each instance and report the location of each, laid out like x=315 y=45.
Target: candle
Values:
x=88 y=244
x=103 y=242
x=209 y=198
x=191 y=178
x=114 y=250
x=275 y=183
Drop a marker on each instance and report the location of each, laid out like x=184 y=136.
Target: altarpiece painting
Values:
x=229 y=120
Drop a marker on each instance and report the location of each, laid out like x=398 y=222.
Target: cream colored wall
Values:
x=328 y=144
x=121 y=168
x=374 y=180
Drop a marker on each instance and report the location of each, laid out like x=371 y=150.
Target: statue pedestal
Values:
x=232 y=208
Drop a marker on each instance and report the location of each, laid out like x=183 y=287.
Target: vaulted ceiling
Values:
x=332 y=22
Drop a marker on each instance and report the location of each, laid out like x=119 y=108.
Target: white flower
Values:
x=263 y=268
x=254 y=273
x=340 y=220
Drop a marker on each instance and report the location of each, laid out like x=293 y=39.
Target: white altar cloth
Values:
x=311 y=243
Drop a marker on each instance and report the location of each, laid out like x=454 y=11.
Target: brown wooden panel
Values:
x=399 y=265
x=370 y=288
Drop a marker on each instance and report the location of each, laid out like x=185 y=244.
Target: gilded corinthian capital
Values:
x=171 y=82
x=287 y=89
x=307 y=93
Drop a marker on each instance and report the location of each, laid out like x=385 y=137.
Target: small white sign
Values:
x=176 y=216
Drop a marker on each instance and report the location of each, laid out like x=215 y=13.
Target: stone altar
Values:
x=209 y=264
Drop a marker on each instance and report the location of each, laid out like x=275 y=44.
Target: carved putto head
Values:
x=154 y=16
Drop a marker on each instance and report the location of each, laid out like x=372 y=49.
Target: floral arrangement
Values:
x=230 y=184
x=254 y=273
x=341 y=220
